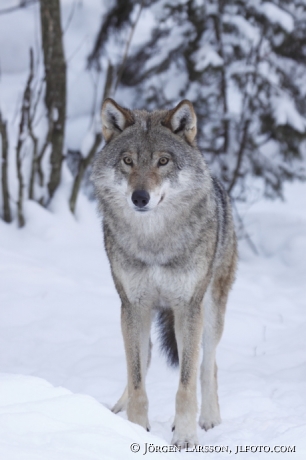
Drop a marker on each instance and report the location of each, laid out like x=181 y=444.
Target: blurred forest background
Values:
x=242 y=63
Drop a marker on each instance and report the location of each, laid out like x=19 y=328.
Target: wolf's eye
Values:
x=163 y=161
x=128 y=161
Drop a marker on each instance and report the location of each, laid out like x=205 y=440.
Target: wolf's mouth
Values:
x=161 y=199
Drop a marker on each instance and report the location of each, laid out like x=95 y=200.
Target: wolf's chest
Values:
x=159 y=286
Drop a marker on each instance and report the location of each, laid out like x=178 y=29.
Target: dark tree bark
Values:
x=30 y=126
x=55 y=76
x=23 y=126
x=4 y=182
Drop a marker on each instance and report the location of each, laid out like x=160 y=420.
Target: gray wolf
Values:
x=170 y=240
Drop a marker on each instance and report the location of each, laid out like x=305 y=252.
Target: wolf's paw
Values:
x=209 y=422
x=185 y=442
x=137 y=411
x=142 y=421
x=118 y=407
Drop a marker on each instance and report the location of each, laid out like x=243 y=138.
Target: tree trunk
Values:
x=55 y=75
x=4 y=181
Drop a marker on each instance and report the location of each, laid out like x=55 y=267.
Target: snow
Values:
x=14 y=46
x=176 y=84
x=39 y=421
x=62 y=357
x=286 y=113
x=206 y=56
x=244 y=28
x=277 y=16
x=143 y=28
x=167 y=45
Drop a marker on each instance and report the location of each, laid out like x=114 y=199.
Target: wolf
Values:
x=170 y=239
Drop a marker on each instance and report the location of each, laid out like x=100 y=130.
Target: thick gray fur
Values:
x=176 y=255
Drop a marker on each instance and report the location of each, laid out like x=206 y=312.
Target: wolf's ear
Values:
x=114 y=119
x=182 y=120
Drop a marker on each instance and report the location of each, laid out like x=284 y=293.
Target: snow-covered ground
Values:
x=61 y=353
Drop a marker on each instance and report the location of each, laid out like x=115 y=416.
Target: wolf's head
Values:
x=149 y=158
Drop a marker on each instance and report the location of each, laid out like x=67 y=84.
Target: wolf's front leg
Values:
x=188 y=332
x=121 y=404
x=136 y=323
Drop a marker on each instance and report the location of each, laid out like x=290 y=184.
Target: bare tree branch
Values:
x=127 y=46
x=217 y=19
x=108 y=81
x=242 y=229
x=114 y=21
x=246 y=113
x=240 y=153
x=22 y=4
x=84 y=163
x=70 y=17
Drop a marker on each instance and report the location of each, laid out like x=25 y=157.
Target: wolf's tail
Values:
x=168 y=344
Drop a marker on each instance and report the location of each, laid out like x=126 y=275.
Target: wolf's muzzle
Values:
x=140 y=198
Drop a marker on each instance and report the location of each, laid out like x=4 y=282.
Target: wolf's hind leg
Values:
x=214 y=309
x=121 y=404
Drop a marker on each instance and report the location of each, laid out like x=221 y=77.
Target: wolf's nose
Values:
x=140 y=198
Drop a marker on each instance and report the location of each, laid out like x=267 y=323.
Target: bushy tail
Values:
x=168 y=345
